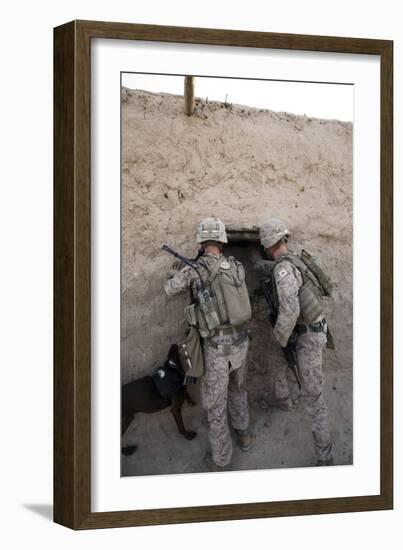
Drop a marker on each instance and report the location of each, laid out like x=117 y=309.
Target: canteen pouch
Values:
x=191 y=354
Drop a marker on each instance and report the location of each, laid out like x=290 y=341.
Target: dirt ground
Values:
x=243 y=165
x=281 y=439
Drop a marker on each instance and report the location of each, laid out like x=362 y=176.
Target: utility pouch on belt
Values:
x=190 y=353
x=329 y=341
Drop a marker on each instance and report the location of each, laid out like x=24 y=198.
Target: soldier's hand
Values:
x=176 y=266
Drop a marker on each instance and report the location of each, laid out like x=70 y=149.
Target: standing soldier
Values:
x=220 y=315
x=296 y=292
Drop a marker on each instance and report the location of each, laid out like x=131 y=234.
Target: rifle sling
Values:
x=215 y=269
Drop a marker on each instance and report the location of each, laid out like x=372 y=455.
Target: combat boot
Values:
x=244 y=439
x=211 y=465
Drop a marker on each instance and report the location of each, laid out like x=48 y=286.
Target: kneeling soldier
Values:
x=220 y=314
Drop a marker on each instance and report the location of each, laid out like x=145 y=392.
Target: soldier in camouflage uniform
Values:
x=225 y=352
x=311 y=337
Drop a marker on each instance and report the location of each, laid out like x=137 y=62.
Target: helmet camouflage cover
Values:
x=272 y=232
x=211 y=229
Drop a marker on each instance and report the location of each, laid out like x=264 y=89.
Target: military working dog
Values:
x=154 y=393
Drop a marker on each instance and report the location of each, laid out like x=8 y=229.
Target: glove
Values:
x=176 y=266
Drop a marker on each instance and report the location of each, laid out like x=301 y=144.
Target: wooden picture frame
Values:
x=72 y=270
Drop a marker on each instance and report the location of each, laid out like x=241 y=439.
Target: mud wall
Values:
x=240 y=164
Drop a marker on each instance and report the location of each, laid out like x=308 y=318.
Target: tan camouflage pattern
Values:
x=180 y=280
x=309 y=352
x=223 y=390
x=288 y=282
x=211 y=229
x=272 y=232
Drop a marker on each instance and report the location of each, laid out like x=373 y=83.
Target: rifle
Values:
x=191 y=263
x=290 y=350
x=204 y=298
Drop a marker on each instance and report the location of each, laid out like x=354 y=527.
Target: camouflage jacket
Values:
x=288 y=281
x=182 y=279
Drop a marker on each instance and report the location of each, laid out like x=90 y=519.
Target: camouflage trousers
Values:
x=309 y=351
x=222 y=389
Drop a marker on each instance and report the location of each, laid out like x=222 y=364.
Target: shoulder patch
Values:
x=282 y=269
x=225 y=264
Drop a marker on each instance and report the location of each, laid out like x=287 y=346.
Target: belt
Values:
x=320 y=326
x=229 y=330
x=226 y=348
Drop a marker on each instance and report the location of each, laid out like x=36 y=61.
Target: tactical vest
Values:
x=315 y=284
x=226 y=301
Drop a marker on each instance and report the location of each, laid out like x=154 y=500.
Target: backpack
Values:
x=227 y=299
x=229 y=279
x=310 y=269
x=313 y=266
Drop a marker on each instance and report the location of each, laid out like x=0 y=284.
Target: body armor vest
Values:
x=224 y=300
x=315 y=285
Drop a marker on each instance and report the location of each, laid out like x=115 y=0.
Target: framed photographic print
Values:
x=223 y=274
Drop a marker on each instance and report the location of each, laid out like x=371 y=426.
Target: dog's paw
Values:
x=190 y=435
x=129 y=450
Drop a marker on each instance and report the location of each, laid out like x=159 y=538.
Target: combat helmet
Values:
x=272 y=232
x=211 y=229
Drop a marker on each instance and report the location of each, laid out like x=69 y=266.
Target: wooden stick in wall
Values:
x=189 y=95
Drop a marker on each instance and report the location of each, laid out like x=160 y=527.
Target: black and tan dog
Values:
x=154 y=393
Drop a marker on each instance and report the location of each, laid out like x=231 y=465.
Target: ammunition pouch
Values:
x=204 y=317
